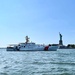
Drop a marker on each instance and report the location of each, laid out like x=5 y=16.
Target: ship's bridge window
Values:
x=32 y=43
x=21 y=43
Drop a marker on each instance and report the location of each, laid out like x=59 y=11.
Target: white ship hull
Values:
x=51 y=48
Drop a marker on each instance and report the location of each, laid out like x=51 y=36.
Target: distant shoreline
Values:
x=2 y=48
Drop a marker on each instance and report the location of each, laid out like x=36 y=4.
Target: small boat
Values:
x=31 y=46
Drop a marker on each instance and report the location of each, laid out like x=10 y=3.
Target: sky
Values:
x=41 y=20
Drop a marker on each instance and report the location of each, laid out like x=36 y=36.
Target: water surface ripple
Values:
x=60 y=62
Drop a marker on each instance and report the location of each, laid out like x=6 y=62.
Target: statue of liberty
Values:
x=60 y=41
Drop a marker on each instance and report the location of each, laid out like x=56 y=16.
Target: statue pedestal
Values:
x=60 y=42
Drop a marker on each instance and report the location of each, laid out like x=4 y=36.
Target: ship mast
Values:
x=27 y=39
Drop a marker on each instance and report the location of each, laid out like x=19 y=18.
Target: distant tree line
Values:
x=71 y=45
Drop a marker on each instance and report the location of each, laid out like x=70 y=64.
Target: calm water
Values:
x=61 y=62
